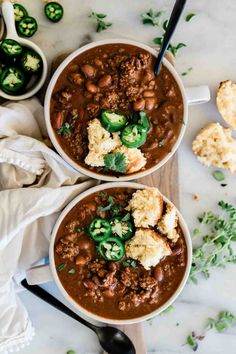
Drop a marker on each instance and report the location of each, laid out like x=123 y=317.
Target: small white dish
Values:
x=8 y=15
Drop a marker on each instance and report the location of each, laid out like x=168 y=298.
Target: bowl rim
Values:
x=75 y=304
x=52 y=135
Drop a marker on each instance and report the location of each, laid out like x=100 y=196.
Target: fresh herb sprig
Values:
x=216 y=249
x=65 y=129
x=224 y=320
x=115 y=162
x=190 y=16
x=152 y=17
x=101 y=24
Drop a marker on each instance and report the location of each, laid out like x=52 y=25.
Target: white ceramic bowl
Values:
x=43 y=274
x=8 y=15
x=189 y=96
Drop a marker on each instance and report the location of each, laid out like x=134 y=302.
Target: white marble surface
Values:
x=211 y=52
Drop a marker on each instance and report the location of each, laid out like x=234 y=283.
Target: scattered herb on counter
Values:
x=71 y=271
x=187 y=72
x=101 y=24
x=218 y=175
x=65 y=129
x=130 y=263
x=216 y=249
x=152 y=17
x=115 y=162
x=61 y=267
x=70 y=352
x=169 y=309
x=224 y=320
x=189 y=17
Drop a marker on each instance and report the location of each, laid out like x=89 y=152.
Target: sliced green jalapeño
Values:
x=113 y=122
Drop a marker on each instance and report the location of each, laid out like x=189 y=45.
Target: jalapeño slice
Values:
x=112 y=249
x=54 y=11
x=19 y=12
x=121 y=228
x=133 y=135
x=113 y=122
x=99 y=229
x=12 y=80
x=11 y=48
x=27 y=26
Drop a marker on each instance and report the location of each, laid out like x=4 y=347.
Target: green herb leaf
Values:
x=192 y=342
x=158 y=40
x=189 y=17
x=169 y=309
x=65 y=129
x=70 y=352
x=71 y=271
x=187 y=72
x=101 y=25
x=115 y=162
x=218 y=175
x=130 y=263
x=61 y=267
x=126 y=217
x=108 y=206
x=152 y=17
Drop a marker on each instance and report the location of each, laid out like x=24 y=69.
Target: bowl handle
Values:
x=39 y=275
x=197 y=95
x=9 y=18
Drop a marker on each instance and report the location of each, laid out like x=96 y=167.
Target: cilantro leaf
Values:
x=101 y=25
x=115 y=162
x=65 y=129
x=152 y=17
x=189 y=17
x=218 y=175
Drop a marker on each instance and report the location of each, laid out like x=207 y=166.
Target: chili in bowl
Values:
x=120 y=253
x=108 y=115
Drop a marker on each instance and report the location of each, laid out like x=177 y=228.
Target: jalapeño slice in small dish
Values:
x=11 y=48
x=112 y=249
x=12 y=80
x=99 y=229
x=31 y=62
x=53 y=11
x=19 y=12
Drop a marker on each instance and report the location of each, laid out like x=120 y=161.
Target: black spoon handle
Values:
x=44 y=295
x=173 y=21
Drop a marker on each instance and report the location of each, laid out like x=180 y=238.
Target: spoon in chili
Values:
x=112 y=340
x=172 y=24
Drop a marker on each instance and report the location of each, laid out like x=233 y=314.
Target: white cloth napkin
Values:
x=35 y=184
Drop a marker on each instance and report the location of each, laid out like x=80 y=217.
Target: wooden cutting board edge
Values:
x=167 y=180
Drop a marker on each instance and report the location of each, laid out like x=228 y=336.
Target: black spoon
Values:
x=112 y=340
x=173 y=21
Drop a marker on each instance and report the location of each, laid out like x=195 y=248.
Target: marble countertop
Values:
x=210 y=39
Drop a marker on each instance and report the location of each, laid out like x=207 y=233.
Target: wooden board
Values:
x=167 y=180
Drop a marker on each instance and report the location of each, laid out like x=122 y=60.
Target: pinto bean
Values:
x=80 y=260
x=88 y=70
x=149 y=103
x=84 y=245
x=76 y=78
x=91 y=87
x=104 y=81
x=98 y=63
x=139 y=105
x=112 y=266
x=149 y=75
x=108 y=293
x=89 y=284
x=148 y=93
x=158 y=273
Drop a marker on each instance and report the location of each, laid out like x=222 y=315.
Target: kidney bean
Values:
x=88 y=70
x=89 y=284
x=148 y=93
x=158 y=273
x=104 y=81
x=139 y=105
x=84 y=244
x=58 y=120
x=149 y=103
x=91 y=87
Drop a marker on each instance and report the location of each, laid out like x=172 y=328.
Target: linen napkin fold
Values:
x=35 y=185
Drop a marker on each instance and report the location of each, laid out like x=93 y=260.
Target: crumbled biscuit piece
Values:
x=226 y=101
x=148 y=247
x=168 y=223
x=135 y=159
x=146 y=206
x=173 y=235
x=215 y=146
x=100 y=143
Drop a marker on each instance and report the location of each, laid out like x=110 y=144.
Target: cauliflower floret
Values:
x=215 y=146
x=146 y=206
x=148 y=247
x=226 y=101
x=135 y=159
x=100 y=143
